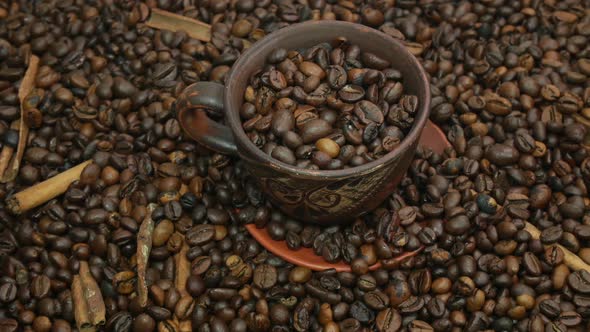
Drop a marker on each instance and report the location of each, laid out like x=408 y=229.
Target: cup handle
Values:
x=192 y=106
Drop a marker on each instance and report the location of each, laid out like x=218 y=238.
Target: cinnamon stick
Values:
x=144 y=247
x=183 y=271
x=570 y=259
x=163 y=20
x=5 y=157
x=26 y=86
x=93 y=296
x=183 y=268
x=44 y=191
x=7 y=151
x=81 y=306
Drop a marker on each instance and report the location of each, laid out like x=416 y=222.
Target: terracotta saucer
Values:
x=432 y=137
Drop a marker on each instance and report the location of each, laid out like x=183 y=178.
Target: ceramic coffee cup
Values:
x=319 y=196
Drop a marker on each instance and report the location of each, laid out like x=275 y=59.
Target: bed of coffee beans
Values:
x=330 y=106
x=509 y=81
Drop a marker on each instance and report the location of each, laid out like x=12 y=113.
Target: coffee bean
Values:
x=374 y=61
x=336 y=77
x=376 y=300
x=9 y=325
x=7 y=292
x=40 y=286
x=300 y=275
x=331 y=252
x=497 y=105
x=551 y=235
x=532 y=264
x=361 y=312
x=123 y=88
x=265 y=276
x=200 y=234
x=312 y=69
x=282 y=122
x=120 y=321
x=419 y=326
x=162 y=232
x=279 y=314
x=328 y=146
x=388 y=320
x=502 y=155
x=284 y=154
x=90 y=174
x=314 y=130
x=368 y=112
x=580 y=281
x=570 y=318
x=351 y=93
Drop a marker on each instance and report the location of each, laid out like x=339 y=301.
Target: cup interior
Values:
x=308 y=34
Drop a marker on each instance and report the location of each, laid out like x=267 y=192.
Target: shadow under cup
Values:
x=327 y=196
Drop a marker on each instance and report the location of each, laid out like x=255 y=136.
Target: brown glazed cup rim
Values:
x=258 y=49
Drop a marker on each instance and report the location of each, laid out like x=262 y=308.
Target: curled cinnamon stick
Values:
x=144 y=247
x=92 y=295
x=570 y=259
x=163 y=20
x=44 y=191
x=26 y=86
x=81 y=306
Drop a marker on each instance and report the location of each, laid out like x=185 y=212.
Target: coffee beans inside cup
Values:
x=331 y=106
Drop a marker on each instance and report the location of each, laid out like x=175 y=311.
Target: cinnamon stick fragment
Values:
x=144 y=247
x=92 y=295
x=183 y=271
x=7 y=151
x=183 y=268
x=44 y=191
x=81 y=307
x=163 y=20
x=570 y=259
x=5 y=157
x=26 y=86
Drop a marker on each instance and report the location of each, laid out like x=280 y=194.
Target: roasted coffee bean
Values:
x=40 y=286
x=388 y=320
x=265 y=276
x=314 y=130
x=368 y=112
x=8 y=292
x=376 y=300
x=361 y=312
x=9 y=325
x=502 y=155
x=121 y=321
x=580 y=281
x=420 y=326
x=200 y=234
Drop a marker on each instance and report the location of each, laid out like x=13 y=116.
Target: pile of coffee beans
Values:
x=330 y=106
x=368 y=237
x=510 y=88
